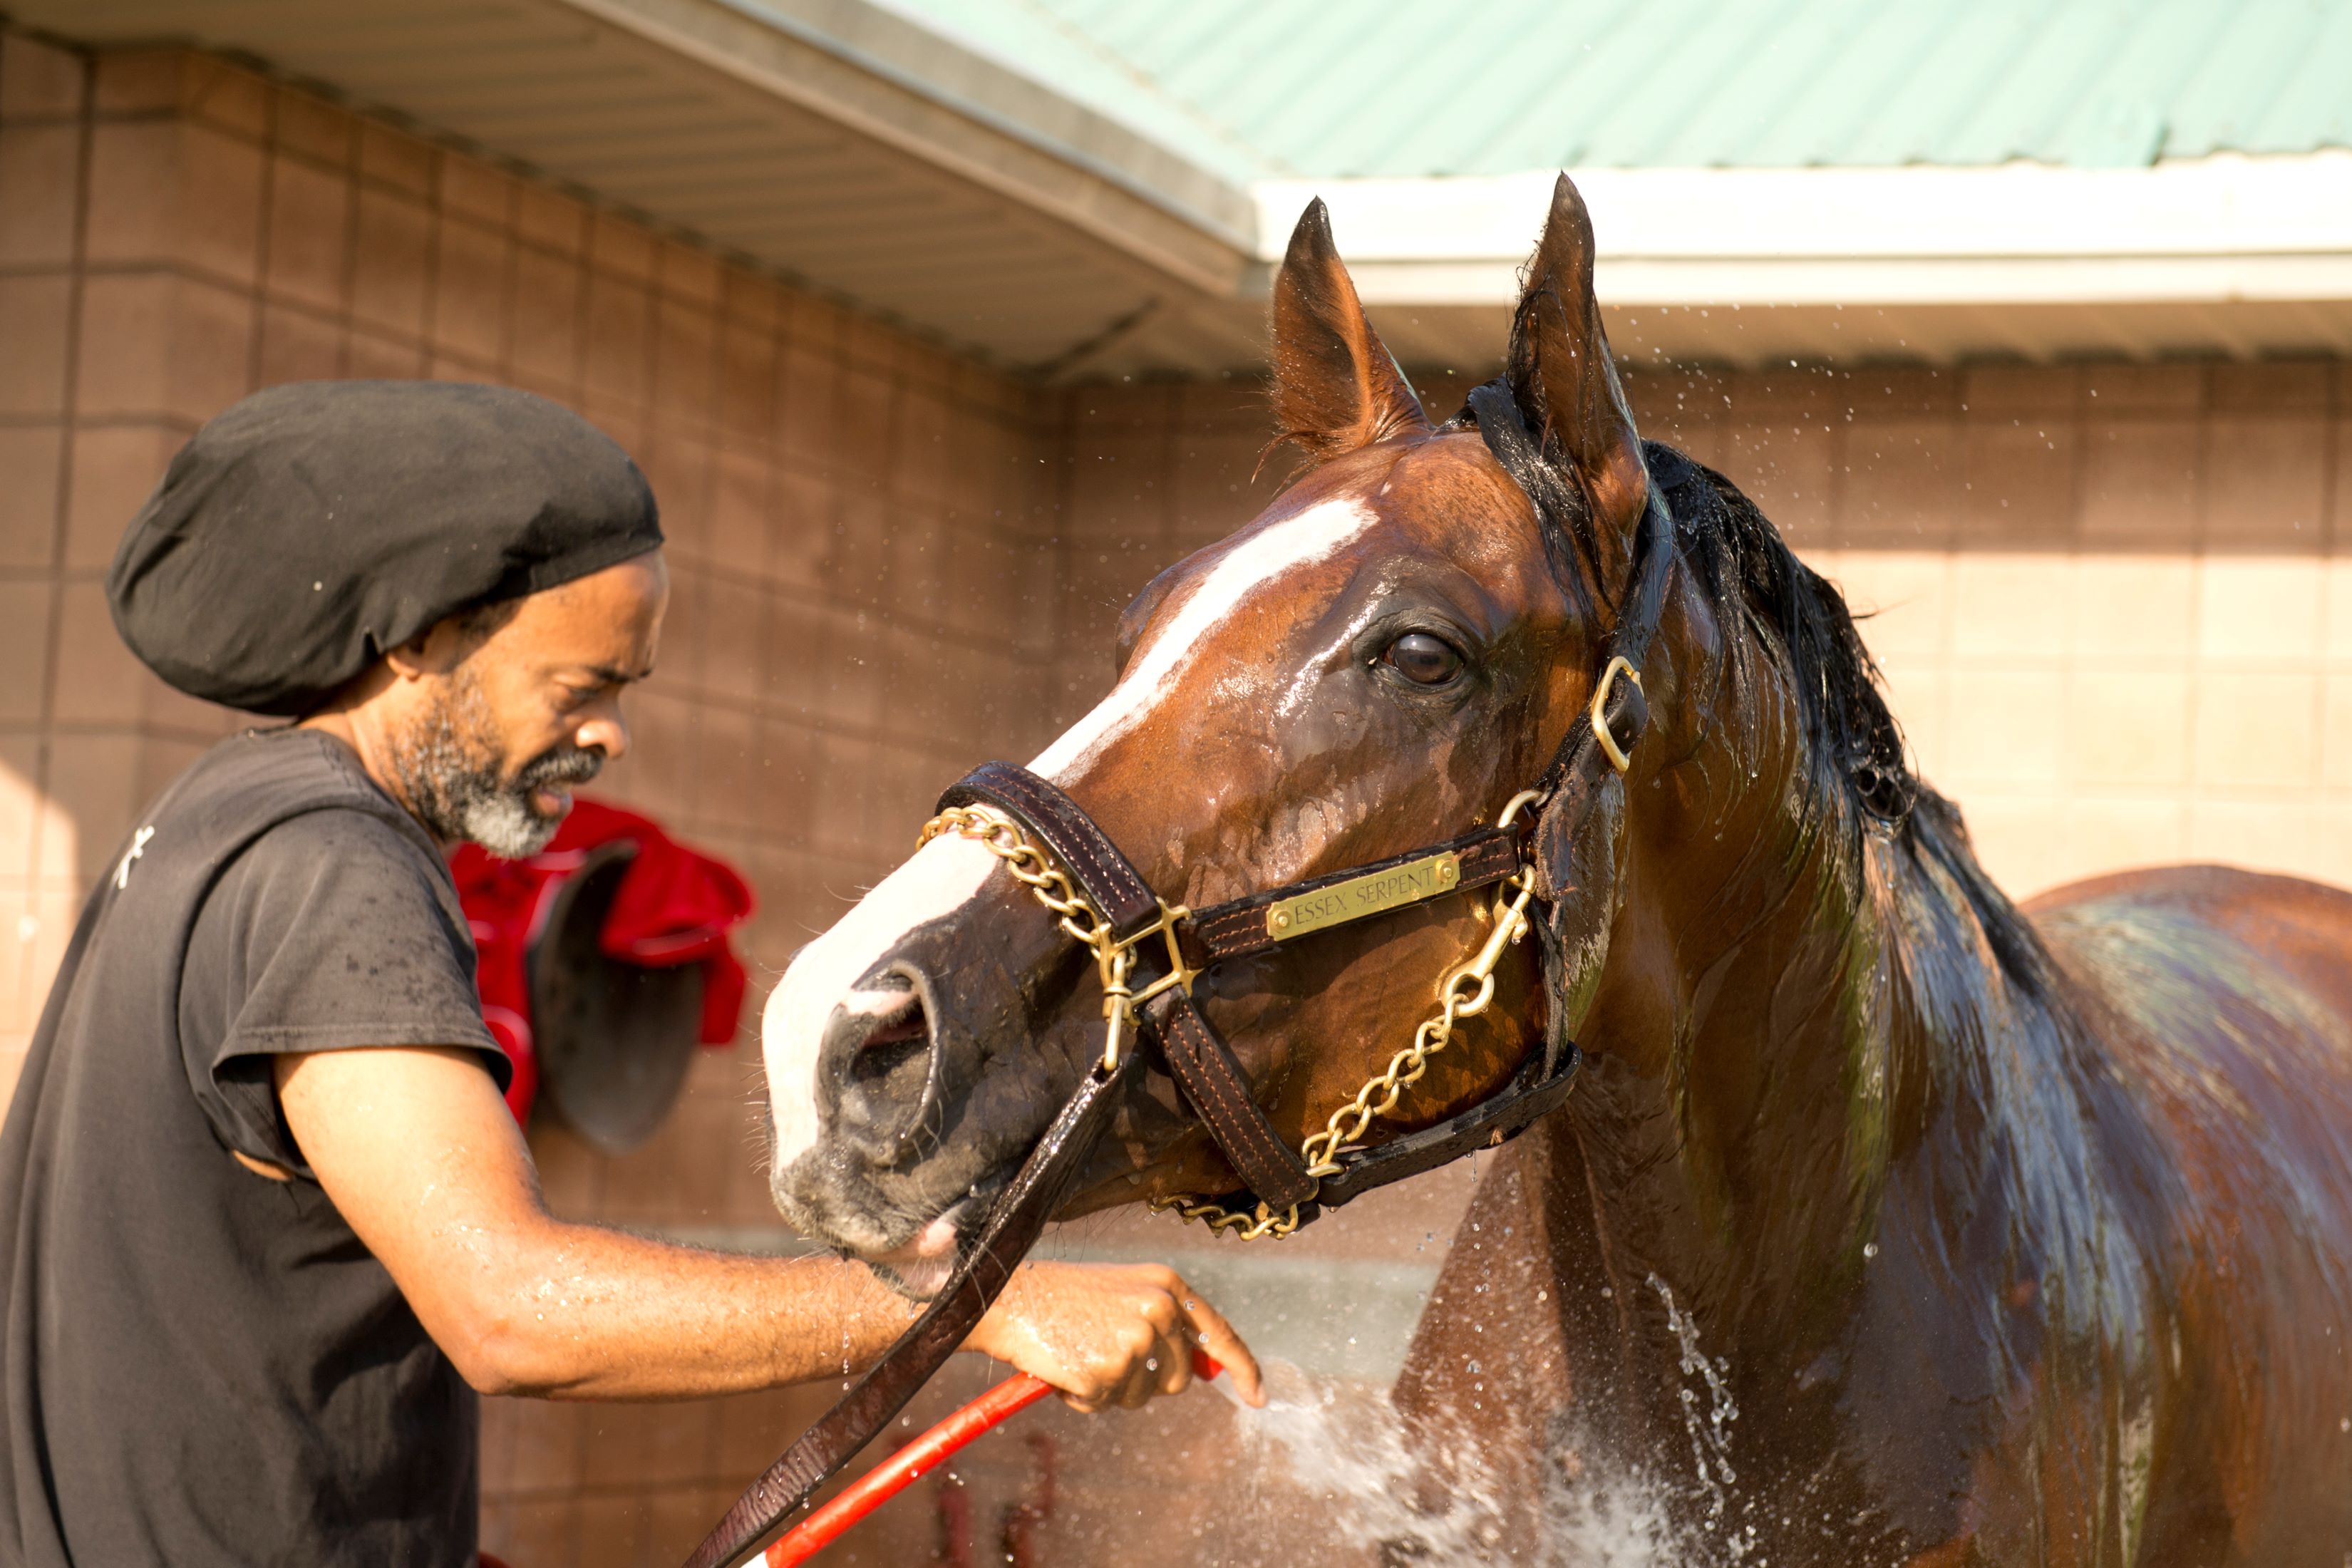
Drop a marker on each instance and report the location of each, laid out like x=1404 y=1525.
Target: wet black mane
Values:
x=1860 y=776
x=1740 y=562
x=1859 y=780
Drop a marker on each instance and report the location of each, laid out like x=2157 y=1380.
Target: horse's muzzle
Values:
x=931 y=1076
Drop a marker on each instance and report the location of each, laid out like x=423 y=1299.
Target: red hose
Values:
x=918 y=1458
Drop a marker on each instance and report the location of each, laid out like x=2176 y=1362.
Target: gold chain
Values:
x=1465 y=992
x=1051 y=886
x=1256 y=1224
x=1029 y=865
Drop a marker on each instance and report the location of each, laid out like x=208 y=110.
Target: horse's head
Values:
x=1380 y=660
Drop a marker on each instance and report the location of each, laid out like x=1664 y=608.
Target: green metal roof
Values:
x=1354 y=88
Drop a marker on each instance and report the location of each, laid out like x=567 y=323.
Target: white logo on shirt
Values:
x=138 y=848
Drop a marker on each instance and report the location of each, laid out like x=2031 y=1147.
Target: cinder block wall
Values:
x=861 y=550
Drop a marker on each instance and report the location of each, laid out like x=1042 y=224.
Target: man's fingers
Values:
x=1149 y=1373
x=1225 y=1346
x=1106 y=1336
x=1175 y=1358
x=1130 y=1384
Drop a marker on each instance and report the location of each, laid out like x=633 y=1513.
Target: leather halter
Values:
x=1196 y=1056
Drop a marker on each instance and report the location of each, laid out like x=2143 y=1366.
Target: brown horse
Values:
x=2011 y=1237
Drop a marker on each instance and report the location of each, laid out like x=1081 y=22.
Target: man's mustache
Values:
x=563 y=764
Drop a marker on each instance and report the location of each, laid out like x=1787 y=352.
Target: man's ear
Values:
x=1565 y=382
x=1336 y=388
x=436 y=650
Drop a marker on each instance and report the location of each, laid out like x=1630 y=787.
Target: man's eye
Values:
x=1423 y=659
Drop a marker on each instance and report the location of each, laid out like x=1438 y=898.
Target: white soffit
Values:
x=2232 y=254
x=2218 y=229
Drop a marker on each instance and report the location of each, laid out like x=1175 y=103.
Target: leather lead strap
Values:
x=1013 y=1227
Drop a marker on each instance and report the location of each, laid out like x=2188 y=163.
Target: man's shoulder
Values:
x=304 y=764
x=343 y=836
x=287 y=788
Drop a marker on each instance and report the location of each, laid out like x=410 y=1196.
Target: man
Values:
x=265 y=1223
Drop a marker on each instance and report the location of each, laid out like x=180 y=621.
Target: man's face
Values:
x=510 y=713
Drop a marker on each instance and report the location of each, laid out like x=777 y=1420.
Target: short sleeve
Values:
x=334 y=931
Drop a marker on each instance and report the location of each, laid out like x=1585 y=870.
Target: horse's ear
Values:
x=1562 y=375
x=1335 y=387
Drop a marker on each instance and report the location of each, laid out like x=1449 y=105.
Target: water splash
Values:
x=1710 y=1432
x=1351 y=1448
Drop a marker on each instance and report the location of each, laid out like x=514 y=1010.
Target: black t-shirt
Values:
x=203 y=1366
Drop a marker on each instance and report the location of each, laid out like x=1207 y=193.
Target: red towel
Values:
x=675 y=906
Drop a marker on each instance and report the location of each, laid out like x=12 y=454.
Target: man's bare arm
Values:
x=418 y=1151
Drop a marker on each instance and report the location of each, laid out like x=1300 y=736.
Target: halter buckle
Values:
x=1616 y=753
x=1115 y=961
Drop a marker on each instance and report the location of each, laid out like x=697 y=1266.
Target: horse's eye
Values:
x=1423 y=659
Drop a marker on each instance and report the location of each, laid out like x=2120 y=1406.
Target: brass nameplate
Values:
x=1369 y=894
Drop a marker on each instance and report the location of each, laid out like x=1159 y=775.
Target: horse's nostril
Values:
x=880 y=1050
x=895 y=1048
x=910 y=1023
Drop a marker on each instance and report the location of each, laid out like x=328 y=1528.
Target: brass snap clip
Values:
x=1619 y=666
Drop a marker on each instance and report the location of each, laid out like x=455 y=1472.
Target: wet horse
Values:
x=2011 y=1235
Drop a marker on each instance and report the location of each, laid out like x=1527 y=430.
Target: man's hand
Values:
x=1108 y=1335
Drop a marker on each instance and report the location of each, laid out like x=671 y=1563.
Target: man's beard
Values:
x=457 y=784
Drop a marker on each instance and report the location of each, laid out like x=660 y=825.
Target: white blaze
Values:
x=948 y=870
x=1294 y=541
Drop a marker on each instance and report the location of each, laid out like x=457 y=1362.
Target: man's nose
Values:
x=605 y=732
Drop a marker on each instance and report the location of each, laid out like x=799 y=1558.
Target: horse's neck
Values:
x=1823 y=1025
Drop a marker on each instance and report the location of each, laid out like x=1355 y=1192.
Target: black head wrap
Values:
x=309 y=528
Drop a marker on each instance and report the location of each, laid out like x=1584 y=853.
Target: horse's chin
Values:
x=921 y=1269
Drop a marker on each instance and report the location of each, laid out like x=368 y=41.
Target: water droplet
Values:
x=1870 y=1249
